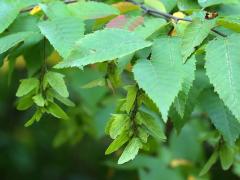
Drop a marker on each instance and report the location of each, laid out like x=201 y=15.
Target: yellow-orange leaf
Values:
x=125 y=7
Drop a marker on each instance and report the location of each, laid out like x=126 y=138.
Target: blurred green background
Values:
x=74 y=149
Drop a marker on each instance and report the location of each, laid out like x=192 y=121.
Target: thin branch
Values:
x=167 y=16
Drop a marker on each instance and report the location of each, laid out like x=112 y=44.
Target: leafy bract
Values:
x=104 y=45
x=211 y=161
x=57 y=111
x=223 y=70
x=152 y=126
x=162 y=76
x=194 y=35
x=26 y=86
x=130 y=151
x=226 y=155
x=57 y=82
x=117 y=143
x=63 y=33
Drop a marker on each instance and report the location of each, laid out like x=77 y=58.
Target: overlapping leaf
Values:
x=220 y=116
x=161 y=78
x=194 y=35
x=207 y=3
x=232 y=23
x=9 y=11
x=55 y=9
x=104 y=45
x=92 y=10
x=9 y=41
x=63 y=33
x=223 y=70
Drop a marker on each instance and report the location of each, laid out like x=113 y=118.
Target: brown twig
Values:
x=168 y=16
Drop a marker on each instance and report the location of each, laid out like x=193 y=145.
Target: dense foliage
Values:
x=161 y=77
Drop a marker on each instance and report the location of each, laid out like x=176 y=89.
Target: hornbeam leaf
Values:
x=9 y=41
x=92 y=10
x=188 y=78
x=194 y=35
x=207 y=3
x=232 y=23
x=223 y=70
x=55 y=9
x=63 y=33
x=161 y=78
x=220 y=116
x=104 y=45
x=9 y=11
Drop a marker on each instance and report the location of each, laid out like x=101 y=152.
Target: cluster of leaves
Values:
x=132 y=125
x=174 y=63
x=42 y=93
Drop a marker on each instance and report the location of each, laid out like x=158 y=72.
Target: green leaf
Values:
x=150 y=123
x=63 y=33
x=186 y=5
x=220 y=116
x=39 y=100
x=56 y=111
x=26 y=86
x=227 y=155
x=92 y=10
x=117 y=124
x=56 y=9
x=9 y=11
x=9 y=41
x=223 y=70
x=57 y=82
x=232 y=23
x=130 y=151
x=194 y=35
x=211 y=161
x=161 y=78
x=207 y=3
x=188 y=78
x=117 y=143
x=150 y=26
x=169 y=5
x=156 y=4
x=104 y=45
